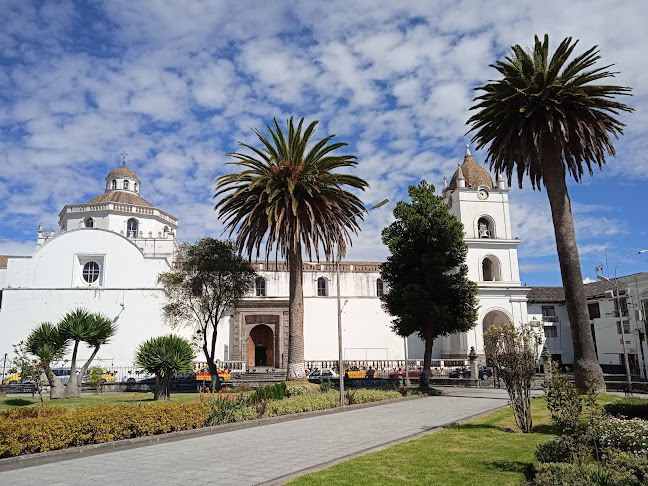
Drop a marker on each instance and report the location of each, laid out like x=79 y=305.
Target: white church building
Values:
x=109 y=251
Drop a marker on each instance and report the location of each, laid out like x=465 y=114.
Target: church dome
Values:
x=474 y=174
x=120 y=197
x=123 y=171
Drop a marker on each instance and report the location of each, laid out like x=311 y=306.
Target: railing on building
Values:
x=124 y=208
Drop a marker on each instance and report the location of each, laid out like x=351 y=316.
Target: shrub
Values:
x=32 y=412
x=349 y=397
x=302 y=403
x=559 y=474
x=97 y=424
x=622 y=435
x=296 y=388
x=630 y=407
x=364 y=395
x=277 y=391
x=325 y=386
x=556 y=450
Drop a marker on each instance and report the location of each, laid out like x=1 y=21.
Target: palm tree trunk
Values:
x=73 y=387
x=162 y=387
x=587 y=371
x=56 y=386
x=296 y=368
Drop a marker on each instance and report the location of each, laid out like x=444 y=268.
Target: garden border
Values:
x=40 y=458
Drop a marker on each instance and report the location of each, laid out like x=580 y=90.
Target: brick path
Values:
x=266 y=453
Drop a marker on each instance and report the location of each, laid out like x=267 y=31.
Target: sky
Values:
x=178 y=84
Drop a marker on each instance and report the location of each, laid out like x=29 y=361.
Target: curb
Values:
x=280 y=481
x=40 y=458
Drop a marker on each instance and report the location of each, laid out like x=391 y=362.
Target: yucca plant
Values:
x=165 y=357
x=291 y=199
x=549 y=116
x=48 y=345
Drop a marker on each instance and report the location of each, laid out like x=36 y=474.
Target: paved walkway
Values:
x=266 y=453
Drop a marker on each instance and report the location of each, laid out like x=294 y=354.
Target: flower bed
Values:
x=21 y=432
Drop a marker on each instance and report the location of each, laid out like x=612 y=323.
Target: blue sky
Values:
x=177 y=84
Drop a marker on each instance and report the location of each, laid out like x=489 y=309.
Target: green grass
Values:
x=480 y=452
x=87 y=400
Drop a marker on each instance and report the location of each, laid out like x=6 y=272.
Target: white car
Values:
x=324 y=374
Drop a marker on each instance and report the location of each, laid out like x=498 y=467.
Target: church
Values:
x=109 y=251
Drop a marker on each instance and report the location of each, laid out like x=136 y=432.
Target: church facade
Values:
x=109 y=251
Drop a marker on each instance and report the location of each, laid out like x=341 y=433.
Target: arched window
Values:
x=89 y=223
x=131 y=227
x=125 y=184
x=114 y=184
x=322 y=290
x=491 y=270
x=485 y=228
x=90 y=272
x=380 y=288
x=260 y=287
x=135 y=187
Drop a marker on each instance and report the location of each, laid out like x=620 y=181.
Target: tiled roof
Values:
x=538 y=295
x=3 y=261
x=474 y=174
x=120 y=197
x=123 y=171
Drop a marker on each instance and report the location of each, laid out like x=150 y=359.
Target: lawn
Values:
x=9 y=403
x=486 y=451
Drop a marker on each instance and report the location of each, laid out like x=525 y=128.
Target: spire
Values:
x=445 y=183
x=501 y=184
x=461 y=180
x=468 y=154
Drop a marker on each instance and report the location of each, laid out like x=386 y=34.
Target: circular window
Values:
x=90 y=272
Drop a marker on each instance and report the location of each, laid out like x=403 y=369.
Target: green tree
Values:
x=428 y=291
x=549 y=116
x=81 y=326
x=292 y=200
x=46 y=343
x=165 y=357
x=207 y=285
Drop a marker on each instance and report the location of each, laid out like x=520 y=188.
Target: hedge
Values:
x=630 y=407
x=97 y=424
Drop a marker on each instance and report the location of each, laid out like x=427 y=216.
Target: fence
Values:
x=440 y=368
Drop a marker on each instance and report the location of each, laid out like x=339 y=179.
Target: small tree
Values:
x=208 y=284
x=48 y=345
x=28 y=367
x=514 y=355
x=429 y=292
x=165 y=357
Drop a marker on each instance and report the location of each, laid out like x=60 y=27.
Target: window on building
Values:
x=490 y=270
x=135 y=187
x=89 y=223
x=626 y=327
x=548 y=311
x=260 y=287
x=594 y=310
x=131 y=227
x=114 y=184
x=125 y=184
x=550 y=332
x=484 y=228
x=380 y=288
x=90 y=272
x=322 y=290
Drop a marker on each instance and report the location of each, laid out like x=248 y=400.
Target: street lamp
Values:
x=339 y=302
x=618 y=302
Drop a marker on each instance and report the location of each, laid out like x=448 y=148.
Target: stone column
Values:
x=474 y=369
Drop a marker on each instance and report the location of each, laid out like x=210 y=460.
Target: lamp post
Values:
x=618 y=305
x=339 y=303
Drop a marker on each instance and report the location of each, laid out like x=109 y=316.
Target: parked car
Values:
x=356 y=371
x=412 y=372
x=325 y=374
x=204 y=374
x=63 y=374
x=106 y=376
x=16 y=379
x=464 y=372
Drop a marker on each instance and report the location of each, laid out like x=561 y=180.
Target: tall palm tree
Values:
x=549 y=116
x=291 y=200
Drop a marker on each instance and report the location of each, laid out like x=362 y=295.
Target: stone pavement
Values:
x=266 y=453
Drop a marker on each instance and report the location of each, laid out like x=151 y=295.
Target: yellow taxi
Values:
x=356 y=371
x=10 y=380
x=104 y=376
x=204 y=374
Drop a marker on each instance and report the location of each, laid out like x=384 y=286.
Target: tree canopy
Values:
x=209 y=281
x=428 y=291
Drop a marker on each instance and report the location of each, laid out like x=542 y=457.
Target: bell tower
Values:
x=483 y=208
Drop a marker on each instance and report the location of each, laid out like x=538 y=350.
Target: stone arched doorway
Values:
x=495 y=318
x=261 y=346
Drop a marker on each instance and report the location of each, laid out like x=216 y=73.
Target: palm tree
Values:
x=165 y=357
x=291 y=200
x=548 y=116
x=48 y=345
